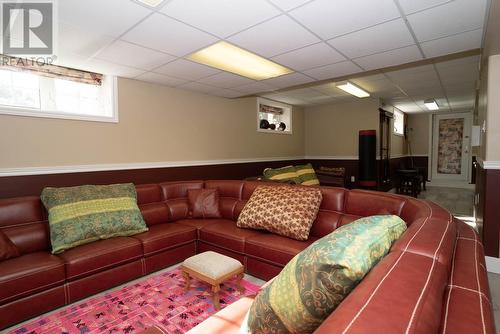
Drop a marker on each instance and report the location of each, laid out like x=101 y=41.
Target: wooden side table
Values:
x=212 y=268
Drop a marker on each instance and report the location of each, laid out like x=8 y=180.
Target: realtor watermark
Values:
x=29 y=29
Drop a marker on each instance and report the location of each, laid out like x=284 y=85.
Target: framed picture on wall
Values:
x=273 y=117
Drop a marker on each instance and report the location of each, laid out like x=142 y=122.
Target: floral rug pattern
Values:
x=157 y=300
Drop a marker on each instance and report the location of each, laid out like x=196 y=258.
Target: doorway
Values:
x=451 y=156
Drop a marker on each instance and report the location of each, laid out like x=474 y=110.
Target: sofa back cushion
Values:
x=7 y=248
x=83 y=214
x=316 y=280
x=174 y=194
x=369 y=203
x=286 y=210
x=23 y=220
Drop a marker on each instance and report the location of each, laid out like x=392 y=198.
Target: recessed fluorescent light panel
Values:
x=352 y=89
x=151 y=3
x=431 y=104
x=230 y=58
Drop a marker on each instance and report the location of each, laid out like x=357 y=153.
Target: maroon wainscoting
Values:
x=14 y=186
x=487 y=210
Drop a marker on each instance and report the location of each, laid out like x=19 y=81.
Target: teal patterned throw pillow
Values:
x=83 y=214
x=316 y=280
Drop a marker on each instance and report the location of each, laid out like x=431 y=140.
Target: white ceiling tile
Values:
x=105 y=67
x=459 y=74
x=256 y=87
x=197 y=87
x=274 y=37
x=228 y=93
x=375 y=86
x=390 y=58
x=414 y=75
x=165 y=34
x=361 y=43
x=449 y=19
x=284 y=98
x=221 y=17
x=160 y=79
x=287 y=80
x=288 y=4
x=306 y=93
x=412 y=6
x=465 y=61
x=452 y=44
x=310 y=56
x=330 y=19
x=333 y=70
x=78 y=41
x=110 y=17
x=226 y=80
x=128 y=54
x=185 y=69
x=71 y=60
x=330 y=89
x=406 y=106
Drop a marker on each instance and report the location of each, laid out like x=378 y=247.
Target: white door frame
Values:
x=466 y=148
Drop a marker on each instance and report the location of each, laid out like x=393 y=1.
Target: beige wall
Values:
x=418 y=126
x=332 y=129
x=157 y=124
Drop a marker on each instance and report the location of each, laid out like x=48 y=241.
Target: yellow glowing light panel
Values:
x=230 y=58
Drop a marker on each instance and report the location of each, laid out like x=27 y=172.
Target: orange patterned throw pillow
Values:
x=285 y=210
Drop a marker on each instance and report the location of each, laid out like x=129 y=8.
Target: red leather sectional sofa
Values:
x=434 y=279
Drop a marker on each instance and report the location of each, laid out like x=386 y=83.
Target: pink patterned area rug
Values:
x=157 y=300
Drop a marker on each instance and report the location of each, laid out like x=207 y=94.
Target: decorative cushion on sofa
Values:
x=307 y=175
x=286 y=174
x=204 y=203
x=7 y=248
x=79 y=215
x=315 y=281
x=286 y=210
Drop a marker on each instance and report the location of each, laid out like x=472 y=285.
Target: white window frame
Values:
x=32 y=112
x=274 y=104
x=394 y=120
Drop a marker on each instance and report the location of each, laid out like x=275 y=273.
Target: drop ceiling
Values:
x=318 y=39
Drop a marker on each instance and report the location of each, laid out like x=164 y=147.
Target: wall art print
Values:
x=451 y=132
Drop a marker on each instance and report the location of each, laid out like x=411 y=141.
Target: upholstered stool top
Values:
x=212 y=264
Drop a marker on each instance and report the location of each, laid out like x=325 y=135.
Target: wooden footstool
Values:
x=212 y=268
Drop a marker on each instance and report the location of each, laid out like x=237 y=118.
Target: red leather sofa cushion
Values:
x=29 y=274
x=204 y=203
x=165 y=236
x=226 y=234
x=154 y=213
x=7 y=249
x=274 y=248
x=368 y=203
x=100 y=255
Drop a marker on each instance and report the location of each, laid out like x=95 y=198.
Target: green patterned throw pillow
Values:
x=286 y=174
x=83 y=214
x=307 y=175
x=316 y=280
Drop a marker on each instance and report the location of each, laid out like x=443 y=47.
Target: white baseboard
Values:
x=493 y=264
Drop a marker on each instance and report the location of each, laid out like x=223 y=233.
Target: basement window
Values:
x=274 y=117
x=399 y=123
x=42 y=90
